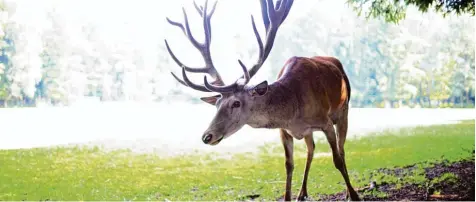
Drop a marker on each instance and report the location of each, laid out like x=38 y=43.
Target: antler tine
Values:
x=278 y=4
x=199 y=9
x=187 y=68
x=273 y=17
x=231 y=87
x=191 y=84
x=219 y=89
x=264 y=13
x=187 y=82
x=204 y=48
x=283 y=9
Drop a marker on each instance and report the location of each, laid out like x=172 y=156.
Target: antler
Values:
x=273 y=17
x=204 y=49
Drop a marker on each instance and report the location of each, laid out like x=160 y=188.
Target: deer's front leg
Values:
x=288 y=144
x=310 y=154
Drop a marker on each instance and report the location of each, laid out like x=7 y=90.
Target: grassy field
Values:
x=83 y=173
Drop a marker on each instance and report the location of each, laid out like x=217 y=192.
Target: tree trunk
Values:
x=468 y=98
x=419 y=101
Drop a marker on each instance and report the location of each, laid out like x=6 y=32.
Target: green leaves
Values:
x=390 y=11
x=395 y=10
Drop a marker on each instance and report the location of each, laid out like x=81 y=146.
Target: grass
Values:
x=82 y=173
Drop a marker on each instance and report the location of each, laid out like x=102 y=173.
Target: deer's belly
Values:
x=301 y=132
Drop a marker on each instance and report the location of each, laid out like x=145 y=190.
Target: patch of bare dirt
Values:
x=459 y=187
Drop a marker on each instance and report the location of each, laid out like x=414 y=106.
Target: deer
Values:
x=310 y=94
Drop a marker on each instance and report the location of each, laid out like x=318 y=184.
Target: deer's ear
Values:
x=211 y=100
x=260 y=89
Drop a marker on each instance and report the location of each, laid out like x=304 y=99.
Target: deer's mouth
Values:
x=217 y=141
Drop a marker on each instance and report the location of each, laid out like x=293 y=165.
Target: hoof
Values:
x=302 y=197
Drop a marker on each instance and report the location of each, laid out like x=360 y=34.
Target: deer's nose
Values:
x=207 y=138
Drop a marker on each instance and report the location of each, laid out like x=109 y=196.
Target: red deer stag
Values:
x=311 y=94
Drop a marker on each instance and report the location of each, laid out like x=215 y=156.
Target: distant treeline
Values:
x=424 y=61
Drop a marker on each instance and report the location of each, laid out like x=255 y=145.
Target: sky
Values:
x=141 y=24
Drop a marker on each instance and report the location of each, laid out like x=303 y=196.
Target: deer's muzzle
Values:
x=211 y=139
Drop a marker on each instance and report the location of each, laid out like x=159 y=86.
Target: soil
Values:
x=460 y=188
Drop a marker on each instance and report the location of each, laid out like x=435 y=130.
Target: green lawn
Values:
x=96 y=174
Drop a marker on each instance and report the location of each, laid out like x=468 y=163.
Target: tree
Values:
x=6 y=50
x=53 y=81
x=395 y=10
x=424 y=60
x=21 y=45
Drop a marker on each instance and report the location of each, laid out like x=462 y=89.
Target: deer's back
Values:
x=319 y=82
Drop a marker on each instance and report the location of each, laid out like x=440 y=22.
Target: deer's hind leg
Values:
x=342 y=125
x=336 y=143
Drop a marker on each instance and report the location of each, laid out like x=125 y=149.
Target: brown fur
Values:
x=311 y=94
x=317 y=79
x=327 y=77
x=319 y=88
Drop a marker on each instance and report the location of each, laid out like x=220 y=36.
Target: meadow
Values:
x=94 y=173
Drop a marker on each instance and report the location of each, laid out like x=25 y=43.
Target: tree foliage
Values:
x=395 y=10
x=51 y=57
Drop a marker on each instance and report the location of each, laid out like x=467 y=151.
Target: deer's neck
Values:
x=275 y=109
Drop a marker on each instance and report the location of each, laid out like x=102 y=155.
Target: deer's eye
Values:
x=236 y=104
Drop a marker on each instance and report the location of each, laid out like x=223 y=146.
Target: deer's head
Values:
x=235 y=102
